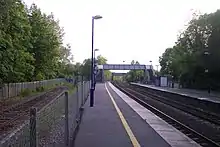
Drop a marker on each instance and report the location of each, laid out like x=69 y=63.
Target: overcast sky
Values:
x=130 y=29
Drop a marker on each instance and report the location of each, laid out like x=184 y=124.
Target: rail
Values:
x=202 y=138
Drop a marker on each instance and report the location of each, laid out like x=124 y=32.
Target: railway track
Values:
x=203 y=114
x=13 y=116
x=202 y=131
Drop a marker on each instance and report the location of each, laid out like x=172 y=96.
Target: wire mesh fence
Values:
x=54 y=124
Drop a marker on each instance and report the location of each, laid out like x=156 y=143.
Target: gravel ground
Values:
x=56 y=134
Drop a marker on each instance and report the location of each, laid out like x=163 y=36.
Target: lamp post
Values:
x=92 y=63
x=151 y=64
x=95 y=51
x=157 y=67
x=95 y=64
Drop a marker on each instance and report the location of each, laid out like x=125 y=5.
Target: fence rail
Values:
x=14 y=89
x=54 y=125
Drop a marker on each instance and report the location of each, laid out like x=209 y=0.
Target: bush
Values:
x=40 y=89
x=61 y=76
x=25 y=92
x=40 y=76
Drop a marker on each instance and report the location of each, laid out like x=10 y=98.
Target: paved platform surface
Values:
x=101 y=125
x=171 y=135
x=203 y=95
x=118 y=121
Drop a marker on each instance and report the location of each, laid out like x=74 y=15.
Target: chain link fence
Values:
x=54 y=125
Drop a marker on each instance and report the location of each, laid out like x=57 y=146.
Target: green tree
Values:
x=31 y=45
x=86 y=67
x=15 y=60
x=135 y=75
x=188 y=60
x=101 y=60
x=77 y=69
x=46 y=40
x=65 y=66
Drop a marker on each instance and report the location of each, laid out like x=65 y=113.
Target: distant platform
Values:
x=202 y=95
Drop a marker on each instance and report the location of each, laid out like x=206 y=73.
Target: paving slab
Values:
x=145 y=134
x=101 y=125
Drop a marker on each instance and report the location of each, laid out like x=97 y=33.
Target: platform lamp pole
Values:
x=94 y=75
x=151 y=67
x=92 y=63
x=157 y=67
x=151 y=63
x=95 y=51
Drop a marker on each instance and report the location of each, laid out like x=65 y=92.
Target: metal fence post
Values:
x=86 y=87
x=33 y=132
x=82 y=92
x=77 y=97
x=66 y=120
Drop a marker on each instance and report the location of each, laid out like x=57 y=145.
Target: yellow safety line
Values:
x=124 y=122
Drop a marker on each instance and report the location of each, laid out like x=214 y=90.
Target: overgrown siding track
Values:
x=194 y=123
x=13 y=116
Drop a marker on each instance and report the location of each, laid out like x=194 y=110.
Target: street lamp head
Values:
x=97 y=17
x=96 y=50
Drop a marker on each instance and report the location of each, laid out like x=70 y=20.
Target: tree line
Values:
x=31 y=44
x=84 y=68
x=134 y=75
x=193 y=60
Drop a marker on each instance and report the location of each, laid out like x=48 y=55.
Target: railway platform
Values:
x=198 y=94
x=119 y=121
